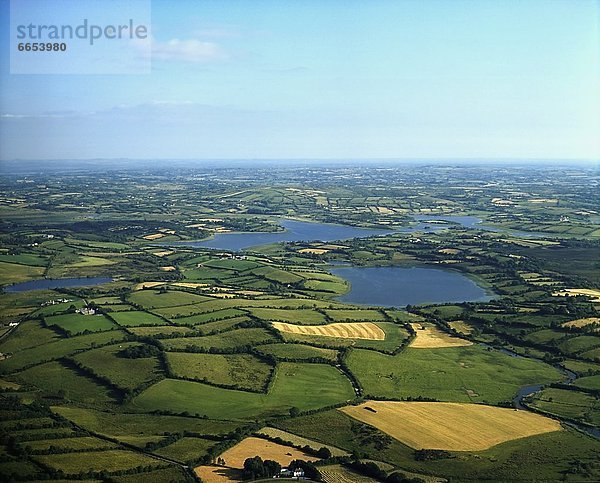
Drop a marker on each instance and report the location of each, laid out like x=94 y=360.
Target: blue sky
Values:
x=327 y=79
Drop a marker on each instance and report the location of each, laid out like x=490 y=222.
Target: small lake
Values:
x=49 y=283
x=401 y=286
x=294 y=231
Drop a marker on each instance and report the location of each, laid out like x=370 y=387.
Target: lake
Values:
x=294 y=231
x=401 y=286
x=313 y=231
x=49 y=283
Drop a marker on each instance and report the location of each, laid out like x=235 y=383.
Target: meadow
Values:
x=296 y=385
x=461 y=374
x=242 y=371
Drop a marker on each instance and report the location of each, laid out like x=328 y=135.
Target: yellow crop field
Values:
x=583 y=322
x=190 y=284
x=430 y=337
x=350 y=330
x=217 y=474
x=154 y=236
x=450 y=426
x=247 y=448
x=143 y=285
x=300 y=441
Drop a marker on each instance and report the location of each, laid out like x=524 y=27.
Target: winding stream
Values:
x=519 y=401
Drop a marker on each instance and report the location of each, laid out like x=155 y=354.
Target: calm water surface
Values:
x=294 y=231
x=401 y=286
x=49 y=283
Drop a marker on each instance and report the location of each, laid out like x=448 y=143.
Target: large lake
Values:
x=294 y=231
x=312 y=231
x=401 y=286
x=49 y=283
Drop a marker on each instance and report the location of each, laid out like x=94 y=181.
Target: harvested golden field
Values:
x=143 y=285
x=583 y=322
x=350 y=330
x=217 y=474
x=190 y=284
x=155 y=236
x=430 y=337
x=589 y=292
x=164 y=253
x=247 y=448
x=168 y=268
x=300 y=441
x=450 y=426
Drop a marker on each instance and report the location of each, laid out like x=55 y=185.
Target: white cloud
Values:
x=191 y=50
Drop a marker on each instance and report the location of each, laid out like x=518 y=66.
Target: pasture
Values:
x=226 y=340
x=297 y=351
x=110 y=461
x=297 y=316
x=145 y=427
x=134 y=318
x=59 y=348
x=450 y=426
x=77 y=323
x=56 y=379
x=458 y=374
x=125 y=373
x=151 y=299
x=296 y=385
x=243 y=371
x=186 y=449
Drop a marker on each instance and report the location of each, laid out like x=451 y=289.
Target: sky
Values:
x=325 y=79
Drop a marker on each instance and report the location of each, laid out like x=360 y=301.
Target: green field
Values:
x=186 y=449
x=158 y=330
x=151 y=299
x=297 y=352
x=308 y=317
x=110 y=461
x=123 y=372
x=59 y=348
x=25 y=259
x=28 y=334
x=83 y=443
x=569 y=404
x=242 y=371
x=57 y=380
x=296 y=385
x=209 y=317
x=461 y=374
x=227 y=340
x=146 y=427
x=15 y=272
x=355 y=315
x=136 y=318
x=78 y=324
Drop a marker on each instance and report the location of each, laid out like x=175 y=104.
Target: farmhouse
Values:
x=86 y=311
x=296 y=473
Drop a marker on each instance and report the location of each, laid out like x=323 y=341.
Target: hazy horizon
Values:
x=326 y=80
